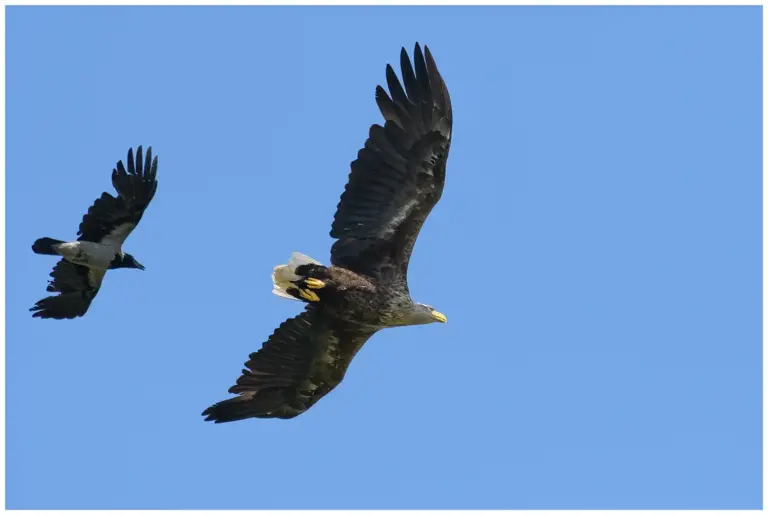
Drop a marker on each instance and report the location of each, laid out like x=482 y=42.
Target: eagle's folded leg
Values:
x=314 y=284
x=308 y=295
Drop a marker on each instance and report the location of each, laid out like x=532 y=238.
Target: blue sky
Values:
x=597 y=251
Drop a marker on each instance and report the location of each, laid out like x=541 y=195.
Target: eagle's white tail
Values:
x=282 y=275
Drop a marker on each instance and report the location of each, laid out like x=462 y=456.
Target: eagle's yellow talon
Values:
x=315 y=284
x=309 y=295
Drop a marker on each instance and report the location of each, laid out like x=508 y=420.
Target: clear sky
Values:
x=597 y=251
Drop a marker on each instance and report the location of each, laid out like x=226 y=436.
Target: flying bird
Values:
x=393 y=185
x=109 y=221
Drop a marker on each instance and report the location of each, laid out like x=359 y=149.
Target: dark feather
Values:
x=45 y=246
x=135 y=187
x=304 y=359
x=399 y=175
x=77 y=286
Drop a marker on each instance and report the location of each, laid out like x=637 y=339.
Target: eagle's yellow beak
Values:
x=439 y=316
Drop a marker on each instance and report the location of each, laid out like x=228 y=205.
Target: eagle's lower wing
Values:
x=304 y=359
x=398 y=176
x=111 y=219
x=77 y=285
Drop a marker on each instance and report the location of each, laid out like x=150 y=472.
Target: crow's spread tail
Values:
x=46 y=246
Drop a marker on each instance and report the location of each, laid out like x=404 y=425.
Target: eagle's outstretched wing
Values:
x=111 y=219
x=398 y=176
x=77 y=285
x=304 y=359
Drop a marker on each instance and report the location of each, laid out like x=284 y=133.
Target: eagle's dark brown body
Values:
x=396 y=180
x=356 y=298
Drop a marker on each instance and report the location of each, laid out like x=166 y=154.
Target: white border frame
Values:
x=359 y=2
